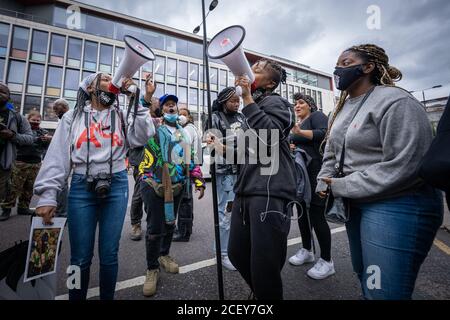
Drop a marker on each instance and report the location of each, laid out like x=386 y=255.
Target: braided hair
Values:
x=278 y=73
x=383 y=74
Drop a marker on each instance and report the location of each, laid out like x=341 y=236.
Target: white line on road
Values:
x=139 y=281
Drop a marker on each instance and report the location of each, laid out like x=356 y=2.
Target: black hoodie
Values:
x=269 y=112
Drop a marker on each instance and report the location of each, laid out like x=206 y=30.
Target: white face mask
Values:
x=182 y=120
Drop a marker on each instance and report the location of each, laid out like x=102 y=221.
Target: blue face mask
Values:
x=171 y=117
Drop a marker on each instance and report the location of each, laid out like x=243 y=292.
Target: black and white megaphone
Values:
x=227 y=46
x=136 y=54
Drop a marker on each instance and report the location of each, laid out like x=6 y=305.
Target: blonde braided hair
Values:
x=383 y=74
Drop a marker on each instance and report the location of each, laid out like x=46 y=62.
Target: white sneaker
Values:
x=227 y=263
x=321 y=270
x=302 y=256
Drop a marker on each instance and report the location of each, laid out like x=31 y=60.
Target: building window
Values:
x=160 y=67
x=20 y=42
x=193 y=98
x=16 y=100
x=54 y=78
x=118 y=56
x=182 y=72
x=74 y=52
x=182 y=96
x=4 y=35
x=193 y=74
x=176 y=45
x=214 y=78
x=16 y=74
x=231 y=79
x=195 y=50
x=308 y=92
x=35 y=78
x=39 y=45
x=171 y=89
x=153 y=39
x=147 y=68
x=284 y=93
x=106 y=53
x=222 y=79
x=213 y=96
x=99 y=26
x=314 y=95
x=319 y=100
x=90 y=55
x=160 y=91
x=32 y=103
x=49 y=114
x=71 y=83
x=201 y=74
x=291 y=93
x=171 y=70
x=57 y=49
x=2 y=68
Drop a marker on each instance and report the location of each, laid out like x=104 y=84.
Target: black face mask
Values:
x=345 y=77
x=105 y=98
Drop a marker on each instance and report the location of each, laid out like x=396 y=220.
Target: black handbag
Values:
x=337 y=210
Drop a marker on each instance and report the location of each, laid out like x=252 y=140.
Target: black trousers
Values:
x=186 y=214
x=136 y=211
x=319 y=224
x=258 y=243
x=159 y=235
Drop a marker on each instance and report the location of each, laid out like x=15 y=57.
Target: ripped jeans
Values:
x=225 y=194
x=159 y=235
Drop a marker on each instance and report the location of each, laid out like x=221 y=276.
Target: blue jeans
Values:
x=225 y=194
x=84 y=213
x=390 y=239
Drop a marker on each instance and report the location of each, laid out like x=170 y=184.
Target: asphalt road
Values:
x=198 y=279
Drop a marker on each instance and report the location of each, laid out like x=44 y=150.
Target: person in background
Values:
x=15 y=131
x=164 y=171
x=186 y=211
x=394 y=215
x=26 y=168
x=60 y=107
x=135 y=157
x=308 y=134
x=92 y=140
x=228 y=120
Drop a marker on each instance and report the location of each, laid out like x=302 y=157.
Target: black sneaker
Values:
x=178 y=237
x=24 y=212
x=6 y=213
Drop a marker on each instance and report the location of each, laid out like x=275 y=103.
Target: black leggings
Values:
x=319 y=224
x=258 y=243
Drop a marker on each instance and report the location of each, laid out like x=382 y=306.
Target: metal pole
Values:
x=424 y=102
x=213 y=166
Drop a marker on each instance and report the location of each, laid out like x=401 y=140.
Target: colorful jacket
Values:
x=152 y=163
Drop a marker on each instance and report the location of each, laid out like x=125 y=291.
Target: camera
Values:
x=99 y=184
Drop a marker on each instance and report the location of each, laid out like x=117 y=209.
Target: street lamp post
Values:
x=213 y=166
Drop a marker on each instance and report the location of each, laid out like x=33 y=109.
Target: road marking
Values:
x=438 y=243
x=139 y=281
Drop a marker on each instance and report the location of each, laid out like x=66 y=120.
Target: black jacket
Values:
x=435 y=167
x=269 y=112
x=34 y=153
x=224 y=122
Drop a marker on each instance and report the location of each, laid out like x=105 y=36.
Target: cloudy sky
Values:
x=415 y=33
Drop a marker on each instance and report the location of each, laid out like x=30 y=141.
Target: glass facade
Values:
x=41 y=64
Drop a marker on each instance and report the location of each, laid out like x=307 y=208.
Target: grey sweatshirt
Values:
x=65 y=150
x=384 y=146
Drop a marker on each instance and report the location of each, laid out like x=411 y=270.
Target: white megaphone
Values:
x=227 y=46
x=136 y=54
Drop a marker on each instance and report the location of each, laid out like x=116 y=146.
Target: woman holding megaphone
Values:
x=93 y=140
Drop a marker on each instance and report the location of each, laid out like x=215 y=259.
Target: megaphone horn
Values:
x=227 y=46
x=136 y=54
